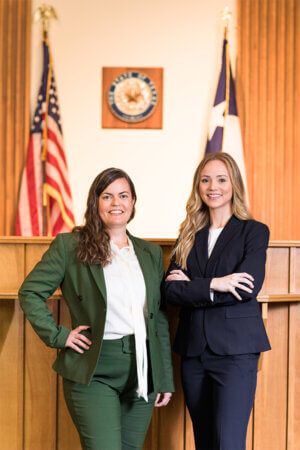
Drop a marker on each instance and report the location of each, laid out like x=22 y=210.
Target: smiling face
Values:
x=215 y=186
x=116 y=204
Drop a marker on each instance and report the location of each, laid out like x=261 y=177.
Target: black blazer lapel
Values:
x=225 y=237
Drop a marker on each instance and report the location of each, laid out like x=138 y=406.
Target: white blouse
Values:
x=212 y=239
x=123 y=276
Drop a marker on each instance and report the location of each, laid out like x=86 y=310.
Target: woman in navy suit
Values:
x=216 y=272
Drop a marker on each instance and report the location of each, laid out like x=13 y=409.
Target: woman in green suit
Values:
x=115 y=362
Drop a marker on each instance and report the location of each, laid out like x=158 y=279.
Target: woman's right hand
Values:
x=229 y=283
x=78 y=341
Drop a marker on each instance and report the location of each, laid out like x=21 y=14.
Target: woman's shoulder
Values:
x=148 y=245
x=253 y=224
x=68 y=240
x=252 y=228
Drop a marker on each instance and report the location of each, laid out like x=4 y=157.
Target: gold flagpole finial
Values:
x=44 y=13
x=226 y=16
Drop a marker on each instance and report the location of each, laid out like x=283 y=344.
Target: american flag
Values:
x=224 y=133
x=45 y=194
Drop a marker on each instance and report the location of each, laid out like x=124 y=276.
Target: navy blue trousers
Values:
x=219 y=392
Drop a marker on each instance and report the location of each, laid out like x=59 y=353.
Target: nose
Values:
x=212 y=185
x=115 y=201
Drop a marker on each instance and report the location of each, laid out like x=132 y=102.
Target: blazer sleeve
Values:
x=164 y=340
x=196 y=292
x=37 y=287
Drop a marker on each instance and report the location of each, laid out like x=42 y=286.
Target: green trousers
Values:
x=108 y=413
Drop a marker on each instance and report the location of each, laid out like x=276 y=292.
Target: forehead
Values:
x=119 y=185
x=215 y=167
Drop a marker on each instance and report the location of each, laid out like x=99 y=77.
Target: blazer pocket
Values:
x=242 y=310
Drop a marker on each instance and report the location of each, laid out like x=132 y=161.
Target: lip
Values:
x=116 y=211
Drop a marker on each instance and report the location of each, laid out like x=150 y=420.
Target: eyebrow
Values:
x=120 y=193
x=208 y=176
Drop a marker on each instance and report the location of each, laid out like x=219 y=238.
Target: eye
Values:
x=222 y=180
x=204 y=180
x=124 y=195
x=105 y=197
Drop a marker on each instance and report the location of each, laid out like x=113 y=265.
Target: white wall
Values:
x=183 y=37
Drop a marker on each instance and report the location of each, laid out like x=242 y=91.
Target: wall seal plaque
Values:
x=132 y=98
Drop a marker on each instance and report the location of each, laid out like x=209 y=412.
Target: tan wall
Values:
x=33 y=414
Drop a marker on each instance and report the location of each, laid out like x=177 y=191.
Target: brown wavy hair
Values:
x=197 y=212
x=93 y=239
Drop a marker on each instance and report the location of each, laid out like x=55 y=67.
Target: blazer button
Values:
x=80 y=298
x=156 y=333
x=151 y=315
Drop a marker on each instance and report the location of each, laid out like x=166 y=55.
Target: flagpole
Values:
x=45 y=13
x=226 y=16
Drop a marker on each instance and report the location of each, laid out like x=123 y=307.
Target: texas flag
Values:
x=224 y=134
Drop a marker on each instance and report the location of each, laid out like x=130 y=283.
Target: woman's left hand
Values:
x=177 y=275
x=162 y=399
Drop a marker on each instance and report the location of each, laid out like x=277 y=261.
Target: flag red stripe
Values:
x=31 y=188
x=52 y=136
x=51 y=159
x=58 y=225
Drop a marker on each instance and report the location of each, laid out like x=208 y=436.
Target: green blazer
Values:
x=84 y=290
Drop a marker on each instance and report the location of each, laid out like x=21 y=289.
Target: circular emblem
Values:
x=132 y=97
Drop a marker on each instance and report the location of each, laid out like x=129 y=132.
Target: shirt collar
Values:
x=118 y=251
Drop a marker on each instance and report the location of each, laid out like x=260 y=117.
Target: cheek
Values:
x=101 y=208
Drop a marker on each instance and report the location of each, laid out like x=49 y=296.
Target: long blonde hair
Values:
x=197 y=213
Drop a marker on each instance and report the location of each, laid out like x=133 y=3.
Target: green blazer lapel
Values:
x=144 y=259
x=98 y=275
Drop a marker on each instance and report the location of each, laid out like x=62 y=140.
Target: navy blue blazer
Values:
x=228 y=326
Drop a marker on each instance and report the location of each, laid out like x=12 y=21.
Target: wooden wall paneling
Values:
x=253 y=86
x=33 y=254
x=268 y=102
x=276 y=410
x=10 y=111
x=189 y=434
x=242 y=85
x=270 y=409
x=172 y=418
x=280 y=192
x=67 y=436
x=296 y=114
x=11 y=374
x=22 y=119
x=168 y=424
x=293 y=425
x=40 y=402
x=3 y=49
x=40 y=390
x=294 y=270
x=15 y=21
x=11 y=348
x=289 y=109
x=270 y=88
x=277 y=271
x=11 y=267
x=261 y=163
